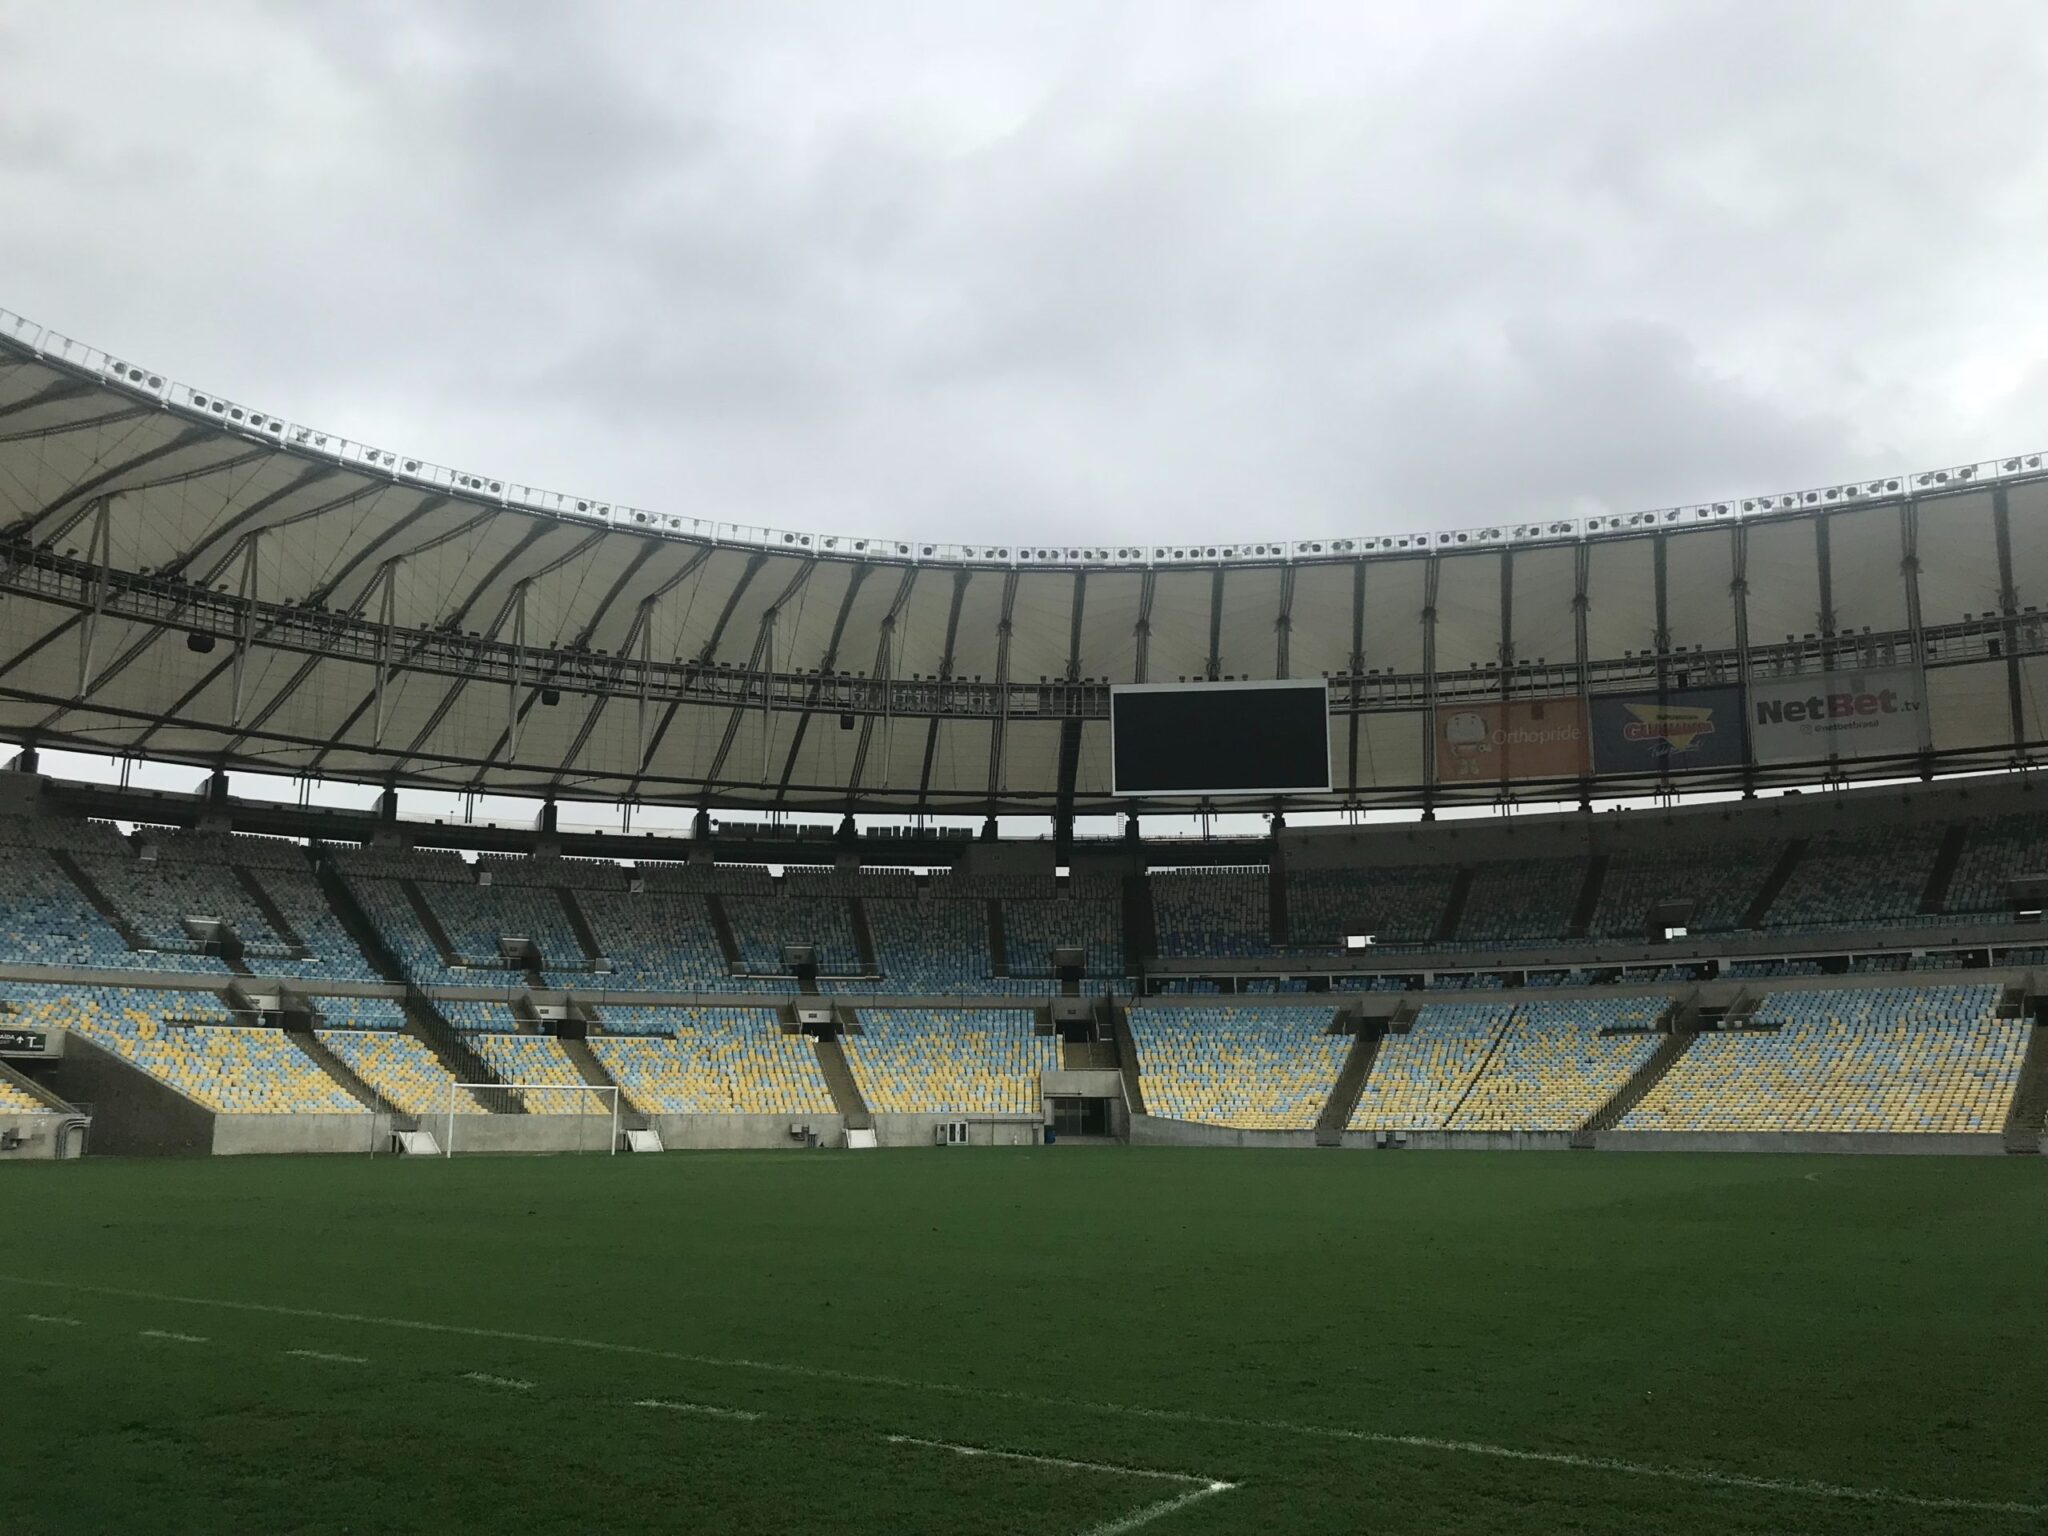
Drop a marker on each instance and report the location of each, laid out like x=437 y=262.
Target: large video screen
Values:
x=1220 y=738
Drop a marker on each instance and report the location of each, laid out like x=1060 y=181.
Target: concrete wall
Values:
x=245 y=1135
x=523 y=1133
x=1470 y=1141
x=711 y=1132
x=43 y=1137
x=134 y=1115
x=897 y=1130
x=1154 y=1131
x=1798 y=1141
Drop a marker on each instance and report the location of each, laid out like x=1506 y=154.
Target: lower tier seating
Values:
x=1912 y=1059
x=969 y=1061
x=1418 y=1078
x=1249 y=1068
x=540 y=1059
x=15 y=1100
x=720 y=1061
x=1553 y=1067
x=402 y=1069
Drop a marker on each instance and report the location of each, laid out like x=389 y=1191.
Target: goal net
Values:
x=529 y=1117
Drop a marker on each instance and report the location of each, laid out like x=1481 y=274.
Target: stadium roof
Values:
x=190 y=579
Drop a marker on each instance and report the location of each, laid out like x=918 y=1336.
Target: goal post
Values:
x=591 y=1113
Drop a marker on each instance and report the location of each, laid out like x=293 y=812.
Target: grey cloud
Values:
x=1063 y=271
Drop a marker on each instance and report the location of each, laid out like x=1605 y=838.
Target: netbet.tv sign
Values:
x=1837 y=714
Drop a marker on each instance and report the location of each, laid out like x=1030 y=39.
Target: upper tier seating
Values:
x=1720 y=879
x=930 y=945
x=1033 y=928
x=1867 y=876
x=476 y=917
x=48 y=921
x=1520 y=901
x=1553 y=1067
x=402 y=1069
x=656 y=941
x=1249 y=1068
x=471 y=1015
x=970 y=1061
x=1396 y=903
x=1996 y=851
x=1912 y=1059
x=1418 y=1078
x=761 y=925
x=1212 y=912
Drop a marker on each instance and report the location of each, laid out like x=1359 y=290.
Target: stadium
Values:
x=1707 y=840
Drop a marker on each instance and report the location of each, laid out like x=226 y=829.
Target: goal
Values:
x=485 y=1117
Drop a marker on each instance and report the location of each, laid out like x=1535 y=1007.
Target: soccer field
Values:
x=1152 y=1341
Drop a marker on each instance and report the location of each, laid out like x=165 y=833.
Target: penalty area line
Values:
x=708 y=1410
x=175 y=1338
x=1705 y=1477
x=321 y=1354
x=1204 y=1487
x=485 y=1379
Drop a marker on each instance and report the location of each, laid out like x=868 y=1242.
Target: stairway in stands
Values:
x=430 y=921
x=2024 y=1127
x=355 y=922
x=1365 y=1050
x=1934 y=895
x=1454 y=906
x=101 y=902
x=1127 y=1055
x=342 y=1075
x=579 y=924
x=998 y=940
x=1780 y=873
x=1589 y=897
x=846 y=1094
x=1681 y=1022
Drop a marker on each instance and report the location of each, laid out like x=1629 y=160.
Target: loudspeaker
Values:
x=199 y=641
x=551 y=696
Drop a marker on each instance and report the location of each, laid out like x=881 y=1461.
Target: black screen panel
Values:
x=1220 y=739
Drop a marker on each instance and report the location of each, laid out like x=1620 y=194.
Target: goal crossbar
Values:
x=569 y=1095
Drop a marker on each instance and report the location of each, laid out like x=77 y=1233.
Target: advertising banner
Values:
x=1880 y=713
x=1487 y=741
x=1686 y=730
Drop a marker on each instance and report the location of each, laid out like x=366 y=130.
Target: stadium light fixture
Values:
x=1360 y=940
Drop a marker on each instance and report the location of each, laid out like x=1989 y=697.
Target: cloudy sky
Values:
x=964 y=270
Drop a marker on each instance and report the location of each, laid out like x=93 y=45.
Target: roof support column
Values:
x=1738 y=599
x=386 y=613
x=1504 y=659
x=1356 y=665
x=245 y=623
x=2009 y=619
x=100 y=554
x=1429 y=585
x=1909 y=577
x=1582 y=666
x=512 y=677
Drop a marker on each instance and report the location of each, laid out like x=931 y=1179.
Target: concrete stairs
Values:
x=579 y=1052
x=1454 y=906
x=846 y=1094
x=1934 y=895
x=101 y=902
x=1336 y=1115
x=1127 y=1058
x=337 y=1069
x=721 y=924
x=430 y=921
x=2024 y=1121
x=579 y=924
x=1589 y=897
x=425 y=1024
x=1631 y=1093
x=1141 y=927
x=998 y=940
x=35 y=1090
x=273 y=914
x=1780 y=873
x=356 y=922
x=863 y=937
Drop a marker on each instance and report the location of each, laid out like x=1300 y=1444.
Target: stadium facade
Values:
x=190 y=580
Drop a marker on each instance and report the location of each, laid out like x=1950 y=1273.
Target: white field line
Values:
x=1205 y=1487
x=175 y=1338
x=1697 y=1476
x=709 y=1410
x=44 y=1317
x=484 y=1378
x=321 y=1354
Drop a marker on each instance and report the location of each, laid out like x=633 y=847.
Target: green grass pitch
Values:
x=792 y=1342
